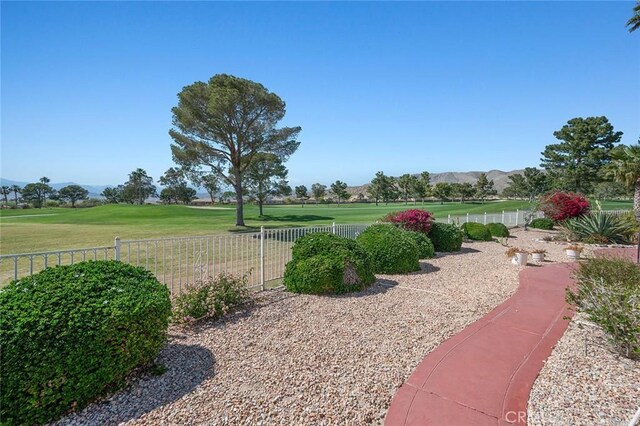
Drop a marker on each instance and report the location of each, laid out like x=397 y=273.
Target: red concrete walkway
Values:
x=483 y=375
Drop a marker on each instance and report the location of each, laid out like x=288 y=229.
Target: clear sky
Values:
x=87 y=88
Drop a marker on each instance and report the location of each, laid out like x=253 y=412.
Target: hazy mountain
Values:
x=94 y=190
x=500 y=179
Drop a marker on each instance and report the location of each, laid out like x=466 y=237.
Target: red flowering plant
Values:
x=561 y=205
x=411 y=220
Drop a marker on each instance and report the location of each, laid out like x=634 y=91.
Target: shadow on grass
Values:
x=293 y=218
x=187 y=367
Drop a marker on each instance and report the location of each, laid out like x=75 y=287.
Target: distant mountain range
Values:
x=500 y=179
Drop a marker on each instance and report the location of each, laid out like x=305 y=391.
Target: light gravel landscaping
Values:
x=299 y=359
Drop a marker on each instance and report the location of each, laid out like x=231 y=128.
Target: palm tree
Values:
x=634 y=22
x=16 y=190
x=625 y=168
x=4 y=191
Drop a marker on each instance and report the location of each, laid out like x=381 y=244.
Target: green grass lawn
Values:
x=58 y=228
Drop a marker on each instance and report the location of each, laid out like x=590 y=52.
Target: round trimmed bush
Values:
x=425 y=246
x=324 y=263
x=542 y=223
x=392 y=250
x=72 y=333
x=498 y=230
x=476 y=231
x=445 y=237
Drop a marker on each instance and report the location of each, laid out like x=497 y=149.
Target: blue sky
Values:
x=87 y=88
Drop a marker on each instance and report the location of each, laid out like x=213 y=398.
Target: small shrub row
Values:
x=498 y=230
x=70 y=334
x=542 y=223
x=608 y=291
x=324 y=263
x=392 y=250
x=210 y=298
x=445 y=237
x=476 y=231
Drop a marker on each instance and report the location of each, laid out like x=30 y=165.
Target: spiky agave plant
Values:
x=598 y=227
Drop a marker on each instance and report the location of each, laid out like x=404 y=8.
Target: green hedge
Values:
x=498 y=230
x=445 y=237
x=425 y=246
x=392 y=250
x=476 y=231
x=72 y=333
x=542 y=223
x=324 y=263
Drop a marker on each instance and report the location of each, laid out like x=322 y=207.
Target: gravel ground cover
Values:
x=297 y=359
x=584 y=383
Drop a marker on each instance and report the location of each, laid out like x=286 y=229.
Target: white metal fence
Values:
x=178 y=262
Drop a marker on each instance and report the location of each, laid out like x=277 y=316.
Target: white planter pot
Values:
x=520 y=259
x=572 y=254
x=537 y=257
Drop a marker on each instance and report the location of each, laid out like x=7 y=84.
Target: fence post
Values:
x=517 y=217
x=117 y=247
x=448 y=218
x=467 y=218
x=485 y=218
x=262 y=258
x=502 y=221
x=333 y=228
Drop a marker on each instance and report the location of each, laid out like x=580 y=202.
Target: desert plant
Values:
x=210 y=298
x=498 y=230
x=325 y=263
x=476 y=231
x=609 y=294
x=70 y=334
x=539 y=251
x=391 y=249
x=512 y=251
x=573 y=247
x=561 y=205
x=598 y=228
x=445 y=237
x=412 y=220
x=542 y=223
x=425 y=246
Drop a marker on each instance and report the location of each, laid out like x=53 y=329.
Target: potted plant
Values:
x=518 y=256
x=573 y=251
x=537 y=255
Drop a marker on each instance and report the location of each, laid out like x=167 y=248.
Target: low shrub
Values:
x=608 y=291
x=324 y=263
x=598 y=228
x=392 y=250
x=411 y=220
x=498 y=230
x=445 y=237
x=70 y=334
x=476 y=231
x=561 y=205
x=425 y=246
x=630 y=222
x=542 y=223
x=211 y=298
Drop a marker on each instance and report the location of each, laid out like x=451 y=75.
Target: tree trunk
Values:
x=239 y=205
x=260 y=206
x=636 y=197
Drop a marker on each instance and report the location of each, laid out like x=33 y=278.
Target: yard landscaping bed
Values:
x=299 y=359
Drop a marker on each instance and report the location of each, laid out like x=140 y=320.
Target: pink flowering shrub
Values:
x=411 y=220
x=563 y=205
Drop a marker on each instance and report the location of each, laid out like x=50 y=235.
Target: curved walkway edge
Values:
x=483 y=375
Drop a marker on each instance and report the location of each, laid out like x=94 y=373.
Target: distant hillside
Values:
x=94 y=190
x=500 y=179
